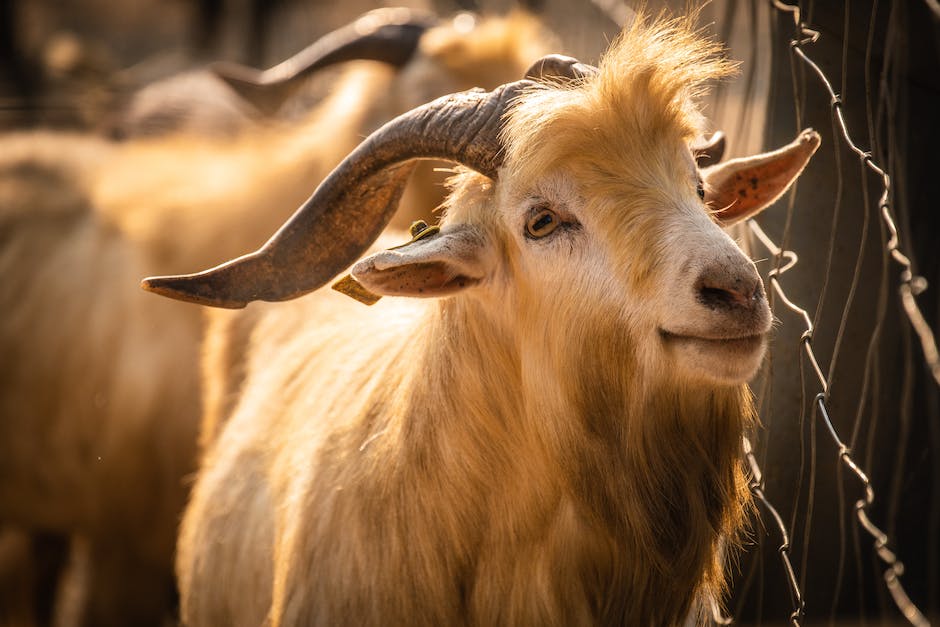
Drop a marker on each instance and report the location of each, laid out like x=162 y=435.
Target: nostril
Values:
x=736 y=293
x=713 y=296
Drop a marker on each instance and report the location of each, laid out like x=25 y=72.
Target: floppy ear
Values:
x=437 y=265
x=741 y=188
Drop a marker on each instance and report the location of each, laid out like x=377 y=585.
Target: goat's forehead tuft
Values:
x=631 y=114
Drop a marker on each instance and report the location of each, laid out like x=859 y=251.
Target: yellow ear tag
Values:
x=351 y=287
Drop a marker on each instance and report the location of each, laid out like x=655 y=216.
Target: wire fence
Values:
x=910 y=286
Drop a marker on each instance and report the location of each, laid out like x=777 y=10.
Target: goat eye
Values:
x=541 y=223
x=701 y=190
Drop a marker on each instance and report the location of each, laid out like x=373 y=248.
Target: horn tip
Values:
x=185 y=289
x=234 y=73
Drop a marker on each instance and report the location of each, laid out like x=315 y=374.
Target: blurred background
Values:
x=80 y=79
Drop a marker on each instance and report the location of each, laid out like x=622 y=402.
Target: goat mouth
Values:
x=722 y=359
x=740 y=343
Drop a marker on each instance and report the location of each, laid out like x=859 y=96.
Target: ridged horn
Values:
x=560 y=66
x=389 y=35
x=352 y=206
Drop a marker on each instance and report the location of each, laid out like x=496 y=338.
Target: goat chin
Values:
x=722 y=361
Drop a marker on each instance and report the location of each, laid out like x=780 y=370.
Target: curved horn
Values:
x=558 y=65
x=389 y=35
x=352 y=206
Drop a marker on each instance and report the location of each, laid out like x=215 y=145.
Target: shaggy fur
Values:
x=99 y=394
x=526 y=452
x=92 y=442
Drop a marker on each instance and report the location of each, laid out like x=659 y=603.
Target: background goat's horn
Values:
x=558 y=65
x=389 y=35
x=354 y=203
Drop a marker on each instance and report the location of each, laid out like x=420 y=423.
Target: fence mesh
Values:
x=910 y=286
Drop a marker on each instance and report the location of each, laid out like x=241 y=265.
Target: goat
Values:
x=98 y=426
x=225 y=98
x=549 y=431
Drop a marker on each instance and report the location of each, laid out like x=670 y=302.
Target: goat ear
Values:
x=741 y=188
x=709 y=151
x=437 y=265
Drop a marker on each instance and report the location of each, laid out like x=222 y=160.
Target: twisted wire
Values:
x=756 y=486
x=910 y=286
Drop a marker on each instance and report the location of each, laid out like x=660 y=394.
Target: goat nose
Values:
x=721 y=289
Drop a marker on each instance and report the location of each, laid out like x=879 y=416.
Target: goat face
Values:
x=654 y=263
x=640 y=261
x=629 y=223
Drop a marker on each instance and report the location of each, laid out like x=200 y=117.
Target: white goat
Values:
x=97 y=423
x=554 y=437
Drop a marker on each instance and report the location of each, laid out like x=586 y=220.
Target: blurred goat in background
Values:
x=98 y=425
